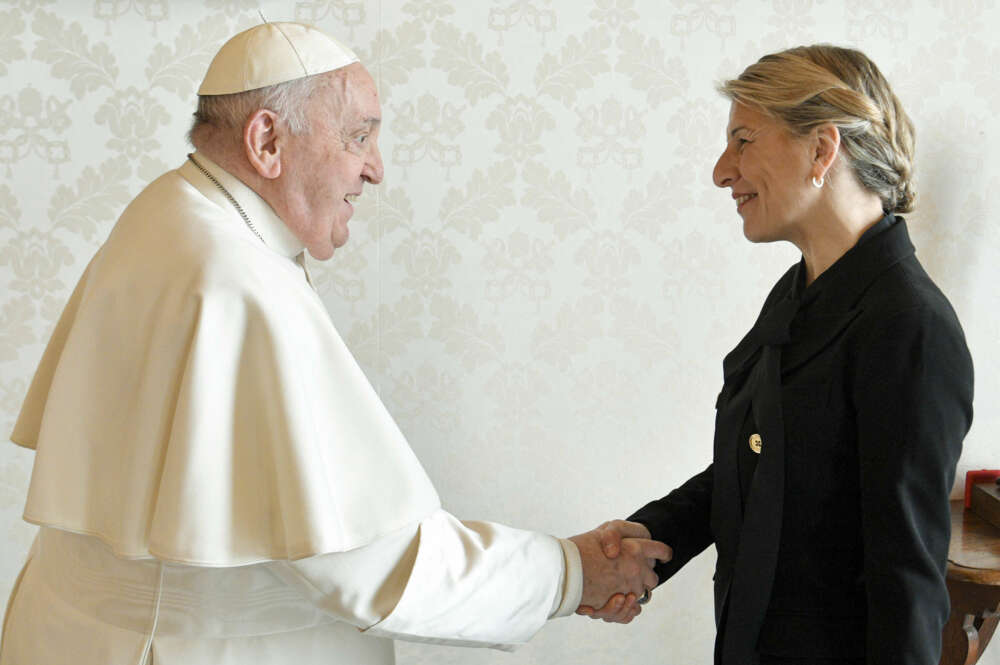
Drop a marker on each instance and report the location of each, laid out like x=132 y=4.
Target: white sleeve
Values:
x=448 y=582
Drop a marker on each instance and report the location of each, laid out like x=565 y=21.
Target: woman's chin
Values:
x=758 y=233
x=754 y=234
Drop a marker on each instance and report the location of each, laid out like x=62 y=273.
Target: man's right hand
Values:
x=618 y=559
x=615 y=536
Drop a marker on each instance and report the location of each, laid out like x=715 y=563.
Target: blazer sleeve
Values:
x=913 y=399
x=681 y=519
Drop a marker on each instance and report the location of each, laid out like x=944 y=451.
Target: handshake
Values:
x=618 y=578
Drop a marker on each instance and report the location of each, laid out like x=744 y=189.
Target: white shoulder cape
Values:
x=196 y=404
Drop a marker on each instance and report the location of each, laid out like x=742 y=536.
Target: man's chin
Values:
x=338 y=238
x=323 y=253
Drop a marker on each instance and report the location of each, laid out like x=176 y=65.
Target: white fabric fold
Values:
x=196 y=404
x=78 y=603
x=444 y=581
x=460 y=591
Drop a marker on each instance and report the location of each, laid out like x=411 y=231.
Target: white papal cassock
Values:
x=217 y=482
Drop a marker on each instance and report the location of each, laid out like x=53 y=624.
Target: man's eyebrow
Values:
x=732 y=132
x=367 y=124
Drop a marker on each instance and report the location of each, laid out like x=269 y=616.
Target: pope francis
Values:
x=215 y=480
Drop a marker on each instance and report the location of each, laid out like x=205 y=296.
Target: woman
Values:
x=843 y=410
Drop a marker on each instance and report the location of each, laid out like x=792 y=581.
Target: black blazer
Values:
x=860 y=387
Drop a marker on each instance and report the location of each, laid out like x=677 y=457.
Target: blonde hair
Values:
x=809 y=86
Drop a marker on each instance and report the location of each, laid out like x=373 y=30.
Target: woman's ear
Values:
x=261 y=143
x=826 y=147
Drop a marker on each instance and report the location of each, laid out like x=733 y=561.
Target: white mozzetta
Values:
x=196 y=404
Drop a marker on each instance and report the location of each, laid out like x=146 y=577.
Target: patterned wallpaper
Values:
x=544 y=286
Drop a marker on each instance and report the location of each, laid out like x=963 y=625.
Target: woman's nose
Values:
x=725 y=171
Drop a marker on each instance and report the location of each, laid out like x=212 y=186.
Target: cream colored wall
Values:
x=543 y=288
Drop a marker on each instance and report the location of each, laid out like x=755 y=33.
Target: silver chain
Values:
x=228 y=196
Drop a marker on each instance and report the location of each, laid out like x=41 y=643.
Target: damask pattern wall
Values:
x=544 y=286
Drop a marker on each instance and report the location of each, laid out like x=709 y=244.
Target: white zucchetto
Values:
x=273 y=53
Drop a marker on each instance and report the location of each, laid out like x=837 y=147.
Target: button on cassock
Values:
x=755 y=443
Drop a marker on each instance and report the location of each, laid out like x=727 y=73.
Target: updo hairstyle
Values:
x=808 y=86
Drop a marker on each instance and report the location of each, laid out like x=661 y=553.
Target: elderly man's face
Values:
x=328 y=166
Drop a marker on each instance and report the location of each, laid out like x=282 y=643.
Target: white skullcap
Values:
x=273 y=53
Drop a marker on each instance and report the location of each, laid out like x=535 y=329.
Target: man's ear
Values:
x=826 y=147
x=261 y=143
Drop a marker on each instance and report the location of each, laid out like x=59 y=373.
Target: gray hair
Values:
x=222 y=113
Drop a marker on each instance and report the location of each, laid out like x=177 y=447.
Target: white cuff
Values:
x=572 y=580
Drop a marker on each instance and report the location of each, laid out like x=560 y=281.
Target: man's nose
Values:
x=373 y=167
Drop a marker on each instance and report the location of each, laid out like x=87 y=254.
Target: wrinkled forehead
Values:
x=349 y=95
x=748 y=118
x=361 y=94
x=360 y=88
x=739 y=114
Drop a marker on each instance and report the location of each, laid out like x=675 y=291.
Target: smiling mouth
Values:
x=740 y=200
x=351 y=198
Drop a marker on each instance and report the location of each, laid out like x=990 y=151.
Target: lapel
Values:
x=834 y=299
x=813 y=336
x=727 y=504
x=742 y=358
x=757 y=551
x=795 y=324
x=806 y=320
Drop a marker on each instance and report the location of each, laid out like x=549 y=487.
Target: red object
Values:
x=976 y=477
